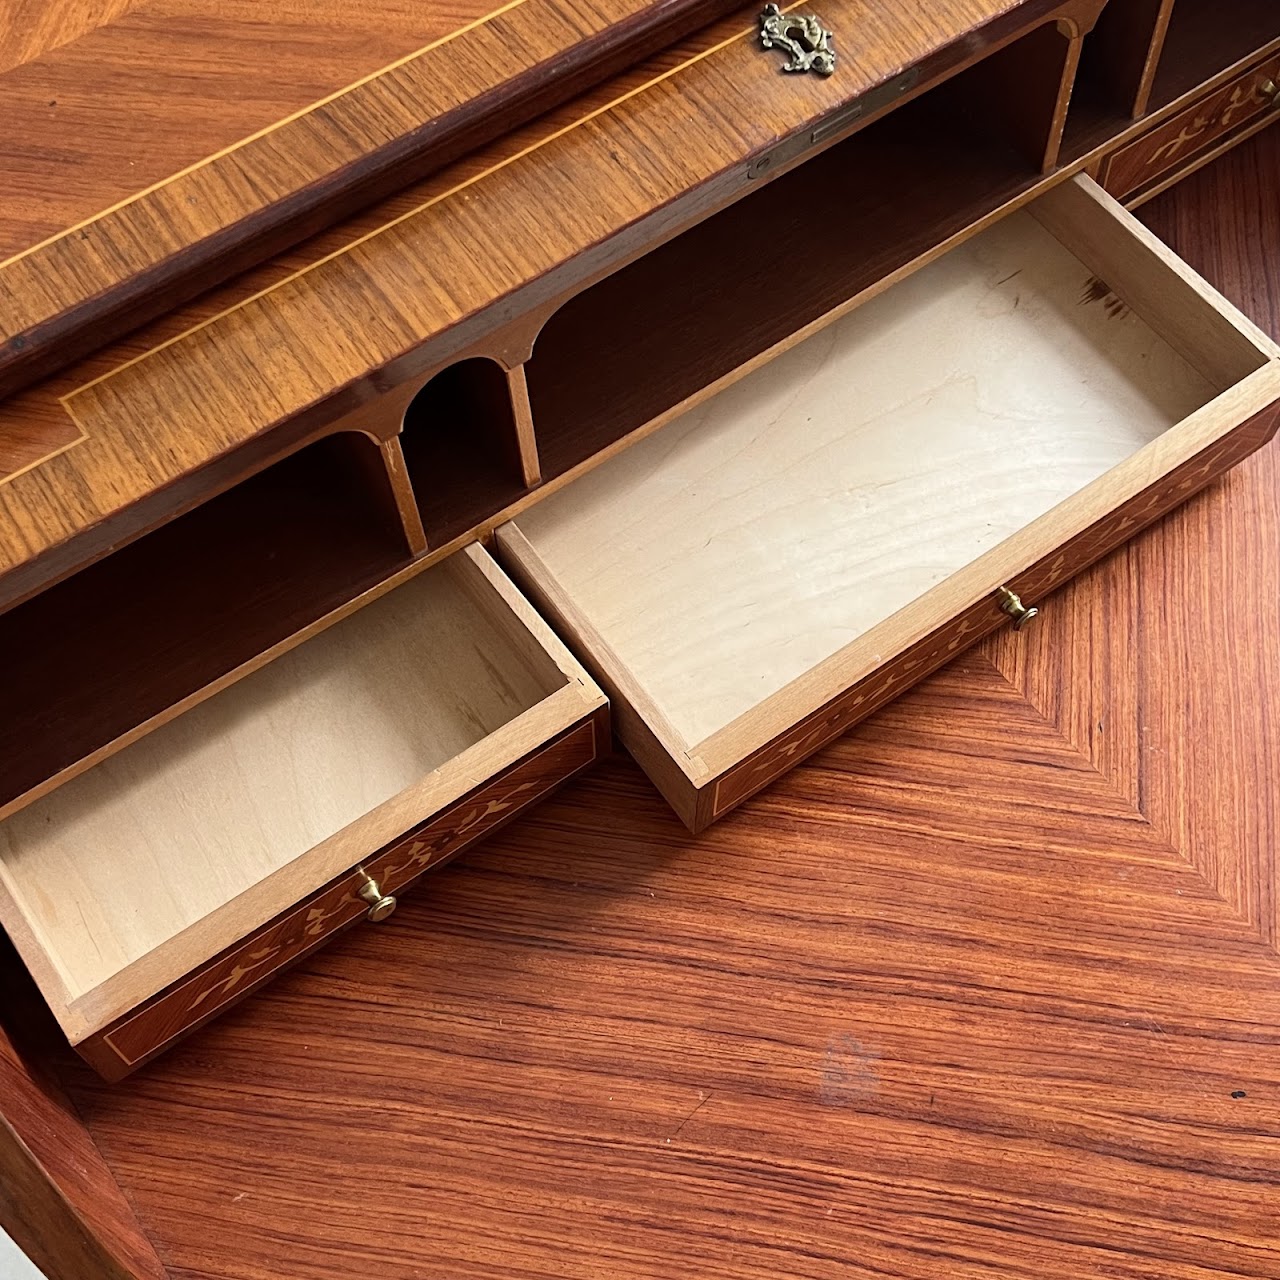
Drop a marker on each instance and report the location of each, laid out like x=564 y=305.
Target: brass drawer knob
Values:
x=381 y=905
x=1014 y=607
x=1269 y=91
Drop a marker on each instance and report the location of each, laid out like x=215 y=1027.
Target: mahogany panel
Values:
x=117 y=96
x=58 y=1199
x=30 y=27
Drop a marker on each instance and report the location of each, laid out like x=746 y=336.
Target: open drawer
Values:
x=813 y=534
x=175 y=876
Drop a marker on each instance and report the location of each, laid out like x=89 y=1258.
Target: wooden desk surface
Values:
x=989 y=988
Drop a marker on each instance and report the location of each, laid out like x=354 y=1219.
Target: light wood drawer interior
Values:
x=792 y=534
x=142 y=868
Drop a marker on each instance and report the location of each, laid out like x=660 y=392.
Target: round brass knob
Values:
x=1018 y=611
x=1270 y=91
x=381 y=905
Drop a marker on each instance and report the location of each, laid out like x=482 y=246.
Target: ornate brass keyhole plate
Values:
x=801 y=36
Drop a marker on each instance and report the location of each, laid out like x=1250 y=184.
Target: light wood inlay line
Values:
x=382 y=228
x=81 y=437
x=274 y=127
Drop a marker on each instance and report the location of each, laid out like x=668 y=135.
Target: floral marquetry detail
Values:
x=468 y=821
x=1170 y=146
x=881 y=686
x=304 y=928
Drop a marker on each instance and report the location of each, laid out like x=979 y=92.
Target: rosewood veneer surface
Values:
x=163 y=147
x=989 y=987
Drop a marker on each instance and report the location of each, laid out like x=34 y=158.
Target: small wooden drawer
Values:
x=814 y=534
x=1223 y=115
x=176 y=876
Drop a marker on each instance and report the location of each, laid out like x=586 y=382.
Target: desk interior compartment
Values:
x=100 y=657
x=462 y=449
x=800 y=545
x=1206 y=37
x=144 y=867
x=635 y=345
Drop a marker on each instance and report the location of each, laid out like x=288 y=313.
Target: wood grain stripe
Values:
x=95 y=281
x=275 y=127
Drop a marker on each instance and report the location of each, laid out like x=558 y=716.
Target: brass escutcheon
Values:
x=380 y=905
x=802 y=37
x=1013 y=606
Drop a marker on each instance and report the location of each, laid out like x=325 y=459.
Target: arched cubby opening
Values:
x=462 y=448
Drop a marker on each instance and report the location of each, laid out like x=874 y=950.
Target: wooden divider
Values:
x=518 y=388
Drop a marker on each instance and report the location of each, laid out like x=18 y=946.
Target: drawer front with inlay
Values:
x=283 y=942
x=965 y=630
x=807 y=540
x=1160 y=155
x=157 y=887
